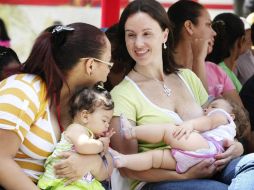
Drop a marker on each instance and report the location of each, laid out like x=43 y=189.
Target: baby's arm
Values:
x=83 y=144
x=206 y=123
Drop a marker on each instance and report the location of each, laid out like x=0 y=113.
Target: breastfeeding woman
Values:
x=156 y=90
x=34 y=104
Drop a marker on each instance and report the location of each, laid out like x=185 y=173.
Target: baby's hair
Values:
x=241 y=120
x=90 y=98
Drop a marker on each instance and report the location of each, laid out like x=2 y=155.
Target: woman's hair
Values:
x=155 y=10
x=252 y=33
x=182 y=11
x=89 y=99
x=7 y=56
x=59 y=48
x=3 y=32
x=229 y=28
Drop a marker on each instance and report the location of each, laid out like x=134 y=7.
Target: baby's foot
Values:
x=118 y=158
x=126 y=128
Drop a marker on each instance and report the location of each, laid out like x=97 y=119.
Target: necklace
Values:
x=166 y=89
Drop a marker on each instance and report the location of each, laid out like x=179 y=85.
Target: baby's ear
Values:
x=84 y=116
x=233 y=116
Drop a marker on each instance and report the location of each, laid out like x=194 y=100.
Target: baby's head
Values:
x=238 y=113
x=219 y=103
x=93 y=108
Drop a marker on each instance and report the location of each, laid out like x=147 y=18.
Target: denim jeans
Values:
x=238 y=175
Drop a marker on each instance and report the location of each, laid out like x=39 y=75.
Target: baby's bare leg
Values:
x=146 y=160
x=164 y=132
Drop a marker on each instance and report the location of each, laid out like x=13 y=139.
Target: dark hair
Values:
x=7 y=56
x=3 y=32
x=155 y=10
x=182 y=11
x=55 y=53
x=229 y=28
x=241 y=120
x=252 y=33
x=89 y=99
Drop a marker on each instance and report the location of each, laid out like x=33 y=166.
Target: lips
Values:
x=141 y=53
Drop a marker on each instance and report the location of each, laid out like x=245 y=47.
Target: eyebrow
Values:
x=147 y=29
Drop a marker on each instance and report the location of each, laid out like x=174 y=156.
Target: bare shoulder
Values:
x=74 y=129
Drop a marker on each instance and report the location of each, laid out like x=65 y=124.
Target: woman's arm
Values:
x=233 y=96
x=119 y=143
x=74 y=166
x=11 y=175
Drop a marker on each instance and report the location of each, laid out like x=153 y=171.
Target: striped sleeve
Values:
x=19 y=103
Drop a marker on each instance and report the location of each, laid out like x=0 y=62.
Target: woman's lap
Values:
x=238 y=175
x=197 y=184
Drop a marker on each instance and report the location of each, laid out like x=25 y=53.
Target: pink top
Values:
x=5 y=43
x=218 y=80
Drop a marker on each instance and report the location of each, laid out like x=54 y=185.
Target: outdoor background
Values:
x=26 y=19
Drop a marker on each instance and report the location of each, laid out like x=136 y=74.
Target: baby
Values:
x=188 y=146
x=91 y=110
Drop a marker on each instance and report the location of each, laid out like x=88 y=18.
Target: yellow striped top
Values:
x=25 y=110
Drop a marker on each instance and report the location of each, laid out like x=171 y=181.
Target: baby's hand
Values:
x=110 y=133
x=185 y=129
x=105 y=142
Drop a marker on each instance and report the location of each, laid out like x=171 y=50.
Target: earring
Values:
x=164 y=45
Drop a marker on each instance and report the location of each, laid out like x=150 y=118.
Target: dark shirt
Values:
x=247 y=96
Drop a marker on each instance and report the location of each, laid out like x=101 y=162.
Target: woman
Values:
x=156 y=91
x=34 y=105
x=228 y=45
x=194 y=38
x=9 y=62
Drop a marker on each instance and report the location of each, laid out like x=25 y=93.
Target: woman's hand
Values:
x=204 y=169
x=69 y=167
x=200 y=48
x=233 y=150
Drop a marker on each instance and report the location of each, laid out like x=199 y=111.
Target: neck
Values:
x=230 y=62
x=149 y=72
x=183 y=54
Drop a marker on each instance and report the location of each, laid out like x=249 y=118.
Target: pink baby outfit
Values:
x=215 y=138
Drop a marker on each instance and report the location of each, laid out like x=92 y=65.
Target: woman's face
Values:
x=144 y=38
x=203 y=29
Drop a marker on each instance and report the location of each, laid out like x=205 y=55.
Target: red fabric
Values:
x=36 y=2
x=110 y=12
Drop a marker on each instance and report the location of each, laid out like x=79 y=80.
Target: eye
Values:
x=147 y=34
x=131 y=35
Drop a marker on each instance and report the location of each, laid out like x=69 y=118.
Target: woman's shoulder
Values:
x=33 y=81
x=187 y=74
x=125 y=86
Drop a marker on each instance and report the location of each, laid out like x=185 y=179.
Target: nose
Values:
x=139 y=42
x=214 y=33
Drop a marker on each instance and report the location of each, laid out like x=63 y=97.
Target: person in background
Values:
x=245 y=62
x=247 y=96
x=4 y=38
x=157 y=91
x=248 y=7
x=228 y=45
x=193 y=40
x=34 y=104
x=9 y=62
